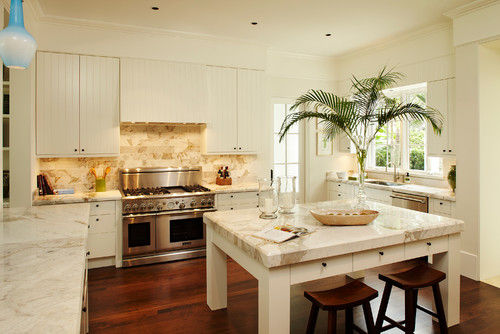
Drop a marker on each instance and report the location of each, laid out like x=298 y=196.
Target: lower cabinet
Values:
x=101 y=241
x=378 y=195
x=237 y=200
x=340 y=190
x=442 y=207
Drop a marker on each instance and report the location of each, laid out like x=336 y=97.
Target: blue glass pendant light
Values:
x=17 y=46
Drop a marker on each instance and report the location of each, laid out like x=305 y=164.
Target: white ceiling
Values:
x=297 y=26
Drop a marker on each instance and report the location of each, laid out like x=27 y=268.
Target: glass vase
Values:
x=286 y=193
x=268 y=199
x=361 y=195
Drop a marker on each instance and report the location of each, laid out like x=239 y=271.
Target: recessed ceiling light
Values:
x=155 y=8
x=328 y=35
x=254 y=23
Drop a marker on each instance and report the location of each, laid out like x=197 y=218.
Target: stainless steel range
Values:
x=163 y=214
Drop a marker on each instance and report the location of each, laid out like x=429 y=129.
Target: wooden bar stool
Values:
x=410 y=281
x=345 y=298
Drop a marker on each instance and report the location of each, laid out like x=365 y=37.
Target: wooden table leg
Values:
x=216 y=274
x=274 y=301
x=449 y=263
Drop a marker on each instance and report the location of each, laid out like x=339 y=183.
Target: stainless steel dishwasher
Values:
x=409 y=201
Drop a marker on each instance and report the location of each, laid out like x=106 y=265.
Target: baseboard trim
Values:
x=468 y=264
x=102 y=262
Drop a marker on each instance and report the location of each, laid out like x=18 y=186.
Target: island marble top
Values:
x=393 y=226
x=42 y=268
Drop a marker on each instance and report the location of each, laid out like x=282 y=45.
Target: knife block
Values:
x=223 y=182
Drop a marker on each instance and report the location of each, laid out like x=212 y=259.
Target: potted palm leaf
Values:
x=360 y=116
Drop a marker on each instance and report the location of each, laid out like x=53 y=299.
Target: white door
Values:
x=57 y=104
x=99 y=106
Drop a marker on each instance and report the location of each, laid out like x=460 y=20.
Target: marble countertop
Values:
x=433 y=192
x=236 y=187
x=393 y=226
x=42 y=268
x=111 y=195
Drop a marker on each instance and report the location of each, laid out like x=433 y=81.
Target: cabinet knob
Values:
x=84 y=309
x=381 y=253
x=428 y=244
x=97 y=219
x=338 y=195
x=234 y=148
x=76 y=150
x=231 y=208
x=231 y=196
x=440 y=203
x=83 y=149
x=348 y=148
x=444 y=150
x=97 y=205
x=240 y=148
x=323 y=264
x=449 y=150
x=88 y=253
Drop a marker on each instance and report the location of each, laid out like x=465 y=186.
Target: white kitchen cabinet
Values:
x=237 y=200
x=441 y=96
x=340 y=190
x=77 y=105
x=442 y=207
x=345 y=144
x=163 y=91
x=235 y=102
x=101 y=241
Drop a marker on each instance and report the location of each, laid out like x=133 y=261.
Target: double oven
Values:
x=163 y=214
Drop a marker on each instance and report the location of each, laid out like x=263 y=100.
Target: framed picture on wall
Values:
x=323 y=146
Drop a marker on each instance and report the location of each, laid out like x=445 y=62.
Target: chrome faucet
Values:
x=395 y=171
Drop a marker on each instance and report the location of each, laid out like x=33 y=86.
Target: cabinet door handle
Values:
x=323 y=264
x=381 y=253
x=429 y=244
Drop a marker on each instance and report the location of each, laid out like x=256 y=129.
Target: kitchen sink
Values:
x=384 y=183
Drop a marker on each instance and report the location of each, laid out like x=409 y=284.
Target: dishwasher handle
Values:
x=409 y=199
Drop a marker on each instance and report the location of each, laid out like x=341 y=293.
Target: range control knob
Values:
x=193 y=203
x=159 y=207
x=182 y=206
x=143 y=206
x=150 y=206
x=135 y=207
x=171 y=205
x=203 y=201
x=210 y=201
x=127 y=207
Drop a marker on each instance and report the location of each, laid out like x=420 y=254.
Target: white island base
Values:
x=396 y=235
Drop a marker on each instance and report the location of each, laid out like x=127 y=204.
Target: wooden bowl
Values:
x=344 y=217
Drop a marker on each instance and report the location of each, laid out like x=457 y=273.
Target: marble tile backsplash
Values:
x=148 y=145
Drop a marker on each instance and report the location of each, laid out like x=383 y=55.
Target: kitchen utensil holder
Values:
x=100 y=184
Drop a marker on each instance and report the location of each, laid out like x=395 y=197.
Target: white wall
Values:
x=489 y=184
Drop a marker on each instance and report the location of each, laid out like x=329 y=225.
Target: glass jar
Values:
x=268 y=199
x=286 y=193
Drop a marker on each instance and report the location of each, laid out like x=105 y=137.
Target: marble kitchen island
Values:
x=396 y=235
x=42 y=268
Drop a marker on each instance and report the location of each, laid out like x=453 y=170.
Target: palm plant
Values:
x=359 y=116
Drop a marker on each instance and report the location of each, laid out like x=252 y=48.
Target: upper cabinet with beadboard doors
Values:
x=235 y=100
x=77 y=105
x=163 y=91
x=441 y=96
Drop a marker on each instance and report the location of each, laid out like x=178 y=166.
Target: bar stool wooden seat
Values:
x=345 y=298
x=410 y=281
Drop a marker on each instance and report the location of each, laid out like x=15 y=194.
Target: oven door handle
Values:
x=408 y=199
x=134 y=215
x=180 y=212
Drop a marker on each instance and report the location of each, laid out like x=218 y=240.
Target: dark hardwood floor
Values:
x=171 y=298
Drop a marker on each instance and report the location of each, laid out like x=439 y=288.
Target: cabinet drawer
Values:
x=426 y=247
x=442 y=207
x=307 y=271
x=102 y=208
x=377 y=195
x=334 y=195
x=224 y=198
x=102 y=224
x=101 y=245
x=377 y=257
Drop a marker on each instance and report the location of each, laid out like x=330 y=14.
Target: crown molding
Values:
x=394 y=40
x=470 y=8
